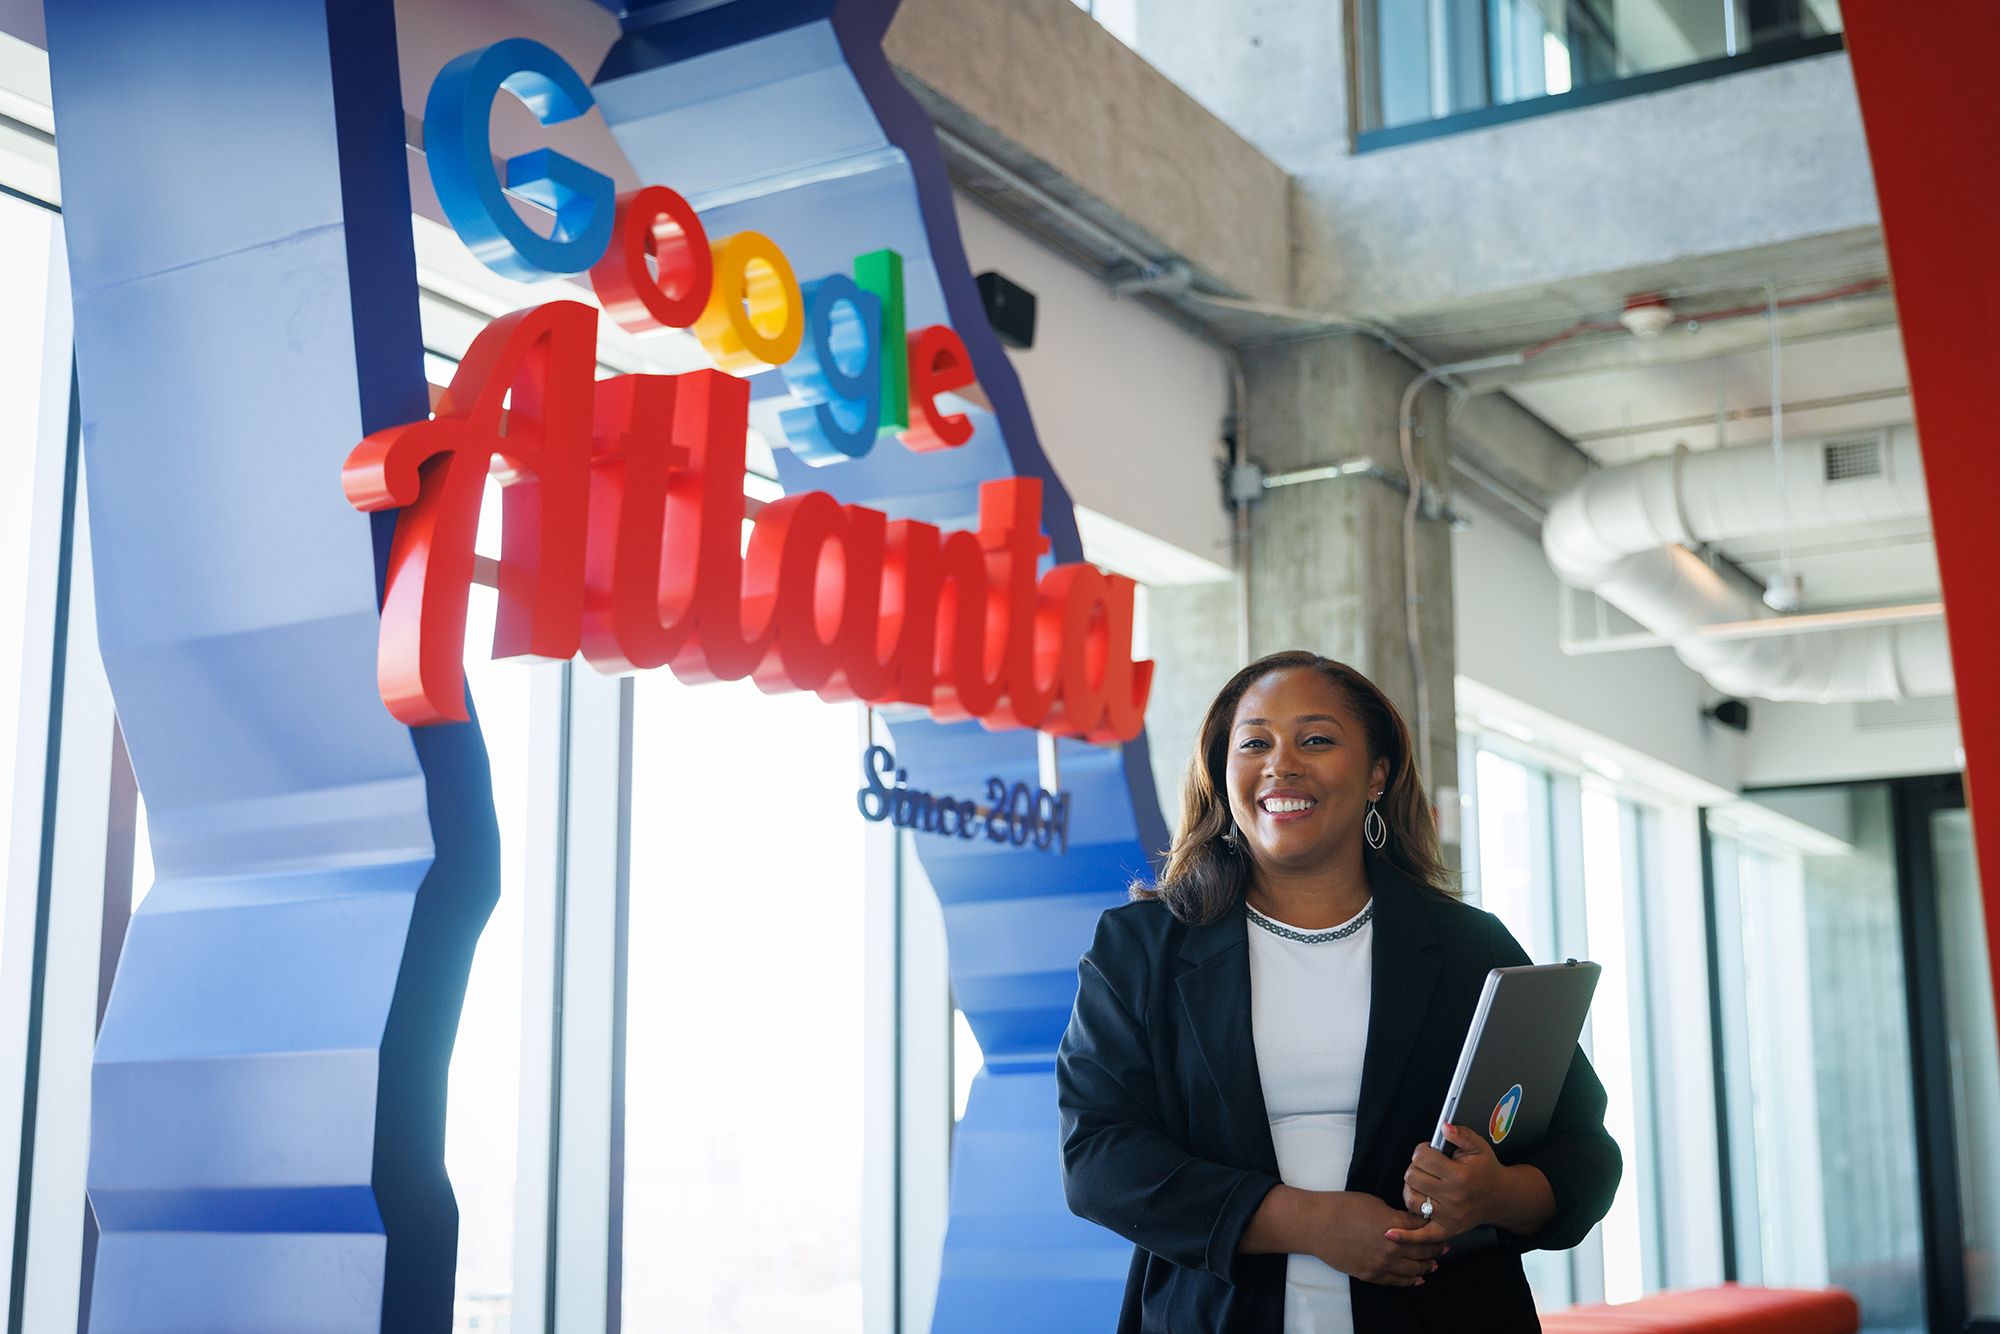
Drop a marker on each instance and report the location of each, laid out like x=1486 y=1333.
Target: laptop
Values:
x=1517 y=1053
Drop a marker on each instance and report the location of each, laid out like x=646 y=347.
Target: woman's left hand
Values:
x=1465 y=1190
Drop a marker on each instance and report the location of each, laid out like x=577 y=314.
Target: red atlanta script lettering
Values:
x=622 y=538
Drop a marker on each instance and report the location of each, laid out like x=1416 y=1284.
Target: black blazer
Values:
x=1166 y=1141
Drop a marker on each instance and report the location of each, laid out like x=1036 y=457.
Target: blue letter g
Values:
x=458 y=144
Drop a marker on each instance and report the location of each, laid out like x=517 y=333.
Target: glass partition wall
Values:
x=1816 y=1047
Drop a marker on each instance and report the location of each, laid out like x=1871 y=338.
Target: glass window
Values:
x=1513 y=863
x=1428 y=59
x=1817 y=1047
x=744 y=1071
x=1618 y=1046
x=482 y=1109
x=1569 y=858
x=1515 y=873
x=1119 y=17
x=26 y=234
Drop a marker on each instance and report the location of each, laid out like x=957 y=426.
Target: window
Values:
x=27 y=234
x=1513 y=877
x=489 y=1082
x=1515 y=873
x=1443 y=64
x=1618 y=1026
x=745 y=1030
x=1816 y=1047
x=58 y=838
x=1576 y=863
x=1119 y=17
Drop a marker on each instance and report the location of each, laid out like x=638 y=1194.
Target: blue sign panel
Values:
x=268 y=1092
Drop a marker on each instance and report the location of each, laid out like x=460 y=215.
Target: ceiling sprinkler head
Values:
x=1785 y=591
x=1647 y=315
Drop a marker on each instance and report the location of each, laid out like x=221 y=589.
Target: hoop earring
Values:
x=1374 y=828
x=1229 y=836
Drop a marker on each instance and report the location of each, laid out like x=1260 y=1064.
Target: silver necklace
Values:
x=1313 y=937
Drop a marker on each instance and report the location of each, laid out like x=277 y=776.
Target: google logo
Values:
x=623 y=536
x=1504 y=1112
x=838 y=339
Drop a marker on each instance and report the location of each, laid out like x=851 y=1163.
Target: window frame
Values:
x=1364 y=92
x=1913 y=802
x=64 y=826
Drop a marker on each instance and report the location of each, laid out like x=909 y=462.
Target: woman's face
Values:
x=1299 y=776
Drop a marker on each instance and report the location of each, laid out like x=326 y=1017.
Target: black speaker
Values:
x=1731 y=713
x=1010 y=309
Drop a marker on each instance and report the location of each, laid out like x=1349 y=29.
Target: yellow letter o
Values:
x=754 y=317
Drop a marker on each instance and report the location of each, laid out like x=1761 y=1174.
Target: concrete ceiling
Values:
x=1830 y=384
x=1841 y=372
x=1703 y=381
x=1797 y=267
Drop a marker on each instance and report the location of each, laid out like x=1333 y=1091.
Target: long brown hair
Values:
x=1206 y=875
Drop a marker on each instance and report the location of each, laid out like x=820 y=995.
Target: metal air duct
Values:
x=1623 y=533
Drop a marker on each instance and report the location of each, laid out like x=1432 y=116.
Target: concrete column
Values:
x=1326 y=557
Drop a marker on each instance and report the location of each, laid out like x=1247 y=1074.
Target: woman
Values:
x=1261 y=1045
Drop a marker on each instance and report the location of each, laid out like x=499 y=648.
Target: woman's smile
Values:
x=1285 y=805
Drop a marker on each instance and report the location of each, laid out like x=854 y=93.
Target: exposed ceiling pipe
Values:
x=1406 y=443
x=1624 y=532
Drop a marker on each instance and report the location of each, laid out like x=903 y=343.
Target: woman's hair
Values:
x=1205 y=874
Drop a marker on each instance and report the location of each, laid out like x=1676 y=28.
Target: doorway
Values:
x=1957 y=1058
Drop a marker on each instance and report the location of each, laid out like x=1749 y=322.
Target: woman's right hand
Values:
x=1352 y=1238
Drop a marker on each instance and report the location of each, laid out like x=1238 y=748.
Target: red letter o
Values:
x=657 y=224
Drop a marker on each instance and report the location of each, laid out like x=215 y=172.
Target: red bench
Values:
x=1724 y=1310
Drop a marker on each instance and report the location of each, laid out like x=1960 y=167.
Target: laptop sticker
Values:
x=1503 y=1114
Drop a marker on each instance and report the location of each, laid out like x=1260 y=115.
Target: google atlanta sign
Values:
x=622 y=498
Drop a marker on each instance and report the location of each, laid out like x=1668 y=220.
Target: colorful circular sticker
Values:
x=1503 y=1114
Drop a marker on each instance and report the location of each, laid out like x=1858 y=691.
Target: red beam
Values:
x=1931 y=107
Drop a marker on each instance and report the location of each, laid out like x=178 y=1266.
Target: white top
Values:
x=1309 y=1019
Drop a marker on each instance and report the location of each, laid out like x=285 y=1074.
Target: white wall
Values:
x=1824 y=743
x=1129 y=406
x=1508 y=623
